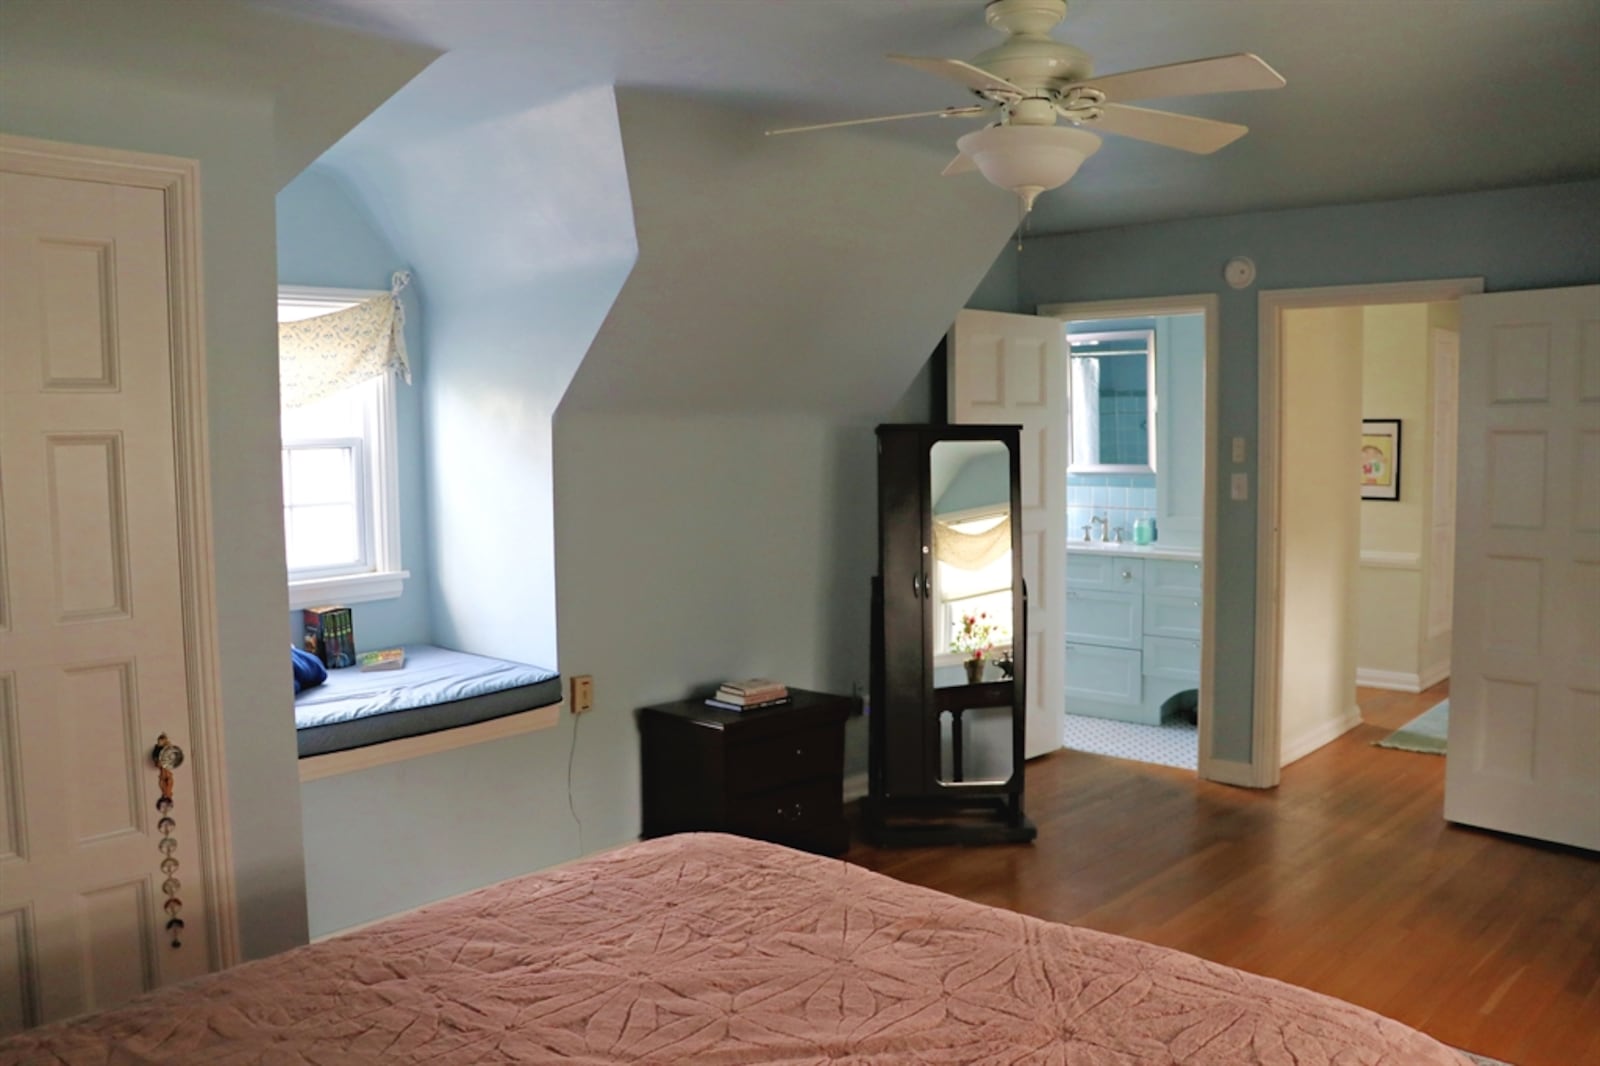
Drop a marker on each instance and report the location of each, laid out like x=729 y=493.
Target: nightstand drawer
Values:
x=778 y=760
x=807 y=815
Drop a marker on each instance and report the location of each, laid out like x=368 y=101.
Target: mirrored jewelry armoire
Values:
x=947 y=711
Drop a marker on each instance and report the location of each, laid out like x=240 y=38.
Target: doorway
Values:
x=1136 y=683
x=1356 y=566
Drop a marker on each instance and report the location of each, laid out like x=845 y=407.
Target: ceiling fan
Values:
x=1030 y=80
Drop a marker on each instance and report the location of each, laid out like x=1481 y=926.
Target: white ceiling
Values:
x=1386 y=98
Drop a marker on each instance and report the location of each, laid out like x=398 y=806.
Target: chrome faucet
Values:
x=1104 y=524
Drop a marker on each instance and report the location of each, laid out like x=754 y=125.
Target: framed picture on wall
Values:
x=1380 y=459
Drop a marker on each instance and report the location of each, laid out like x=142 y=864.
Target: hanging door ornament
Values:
x=167 y=757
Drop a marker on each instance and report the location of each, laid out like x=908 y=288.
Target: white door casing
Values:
x=1011 y=370
x=1204 y=304
x=1525 y=694
x=106 y=617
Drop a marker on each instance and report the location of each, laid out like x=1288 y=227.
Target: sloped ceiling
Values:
x=1386 y=98
x=797 y=275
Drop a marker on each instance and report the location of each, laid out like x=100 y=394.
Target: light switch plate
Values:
x=1240 y=486
x=1238 y=449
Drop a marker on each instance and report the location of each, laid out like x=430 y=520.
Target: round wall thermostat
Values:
x=1240 y=272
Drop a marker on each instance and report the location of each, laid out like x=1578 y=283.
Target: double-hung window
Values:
x=341 y=518
x=982 y=587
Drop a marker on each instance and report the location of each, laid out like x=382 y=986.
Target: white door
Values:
x=92 y=659
x=1525 y=696
x=1011 y=370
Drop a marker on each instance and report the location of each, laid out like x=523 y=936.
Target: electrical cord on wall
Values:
x=571 y=803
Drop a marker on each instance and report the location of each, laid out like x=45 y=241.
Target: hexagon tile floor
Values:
x=1170 y=744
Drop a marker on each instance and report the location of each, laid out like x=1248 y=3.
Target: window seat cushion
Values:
x=436 y=689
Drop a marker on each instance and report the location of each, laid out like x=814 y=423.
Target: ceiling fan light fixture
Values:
x=1029 y=160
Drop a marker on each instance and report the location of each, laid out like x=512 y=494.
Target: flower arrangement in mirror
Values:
x=975 y=640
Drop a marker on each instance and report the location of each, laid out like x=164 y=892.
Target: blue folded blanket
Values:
x=308 y=669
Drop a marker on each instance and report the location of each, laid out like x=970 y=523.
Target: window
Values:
x=340 y=480
x=986 y=589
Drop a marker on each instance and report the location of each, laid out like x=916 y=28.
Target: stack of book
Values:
x=749 y=695
x=330 y=636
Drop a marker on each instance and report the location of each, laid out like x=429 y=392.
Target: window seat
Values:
x=436 y=689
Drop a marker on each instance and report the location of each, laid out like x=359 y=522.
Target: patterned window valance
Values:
x=971 y=551
x=320 y=356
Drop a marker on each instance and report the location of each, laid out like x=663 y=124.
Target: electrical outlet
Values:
x=582 y=693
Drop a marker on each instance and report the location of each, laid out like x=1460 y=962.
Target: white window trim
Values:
x=386 y=580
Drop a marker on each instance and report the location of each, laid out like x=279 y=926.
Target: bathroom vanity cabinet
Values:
x=1133 y=626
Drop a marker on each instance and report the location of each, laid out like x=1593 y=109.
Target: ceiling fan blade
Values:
x=961 y=164
x=1199 y=135
x=979 y=81
x=944 y=112
x=1224 y=74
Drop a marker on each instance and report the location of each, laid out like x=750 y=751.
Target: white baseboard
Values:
x=1434 y=674
x=855 y=786
x=1393 y=680
x=1299 y=747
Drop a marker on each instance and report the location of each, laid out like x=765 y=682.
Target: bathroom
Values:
x=1135 y=491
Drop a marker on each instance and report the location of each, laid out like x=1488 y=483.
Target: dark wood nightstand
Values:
x=775 y=774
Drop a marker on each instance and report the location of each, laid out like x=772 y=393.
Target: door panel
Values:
x=1010 y=370
x=1525 y=698
x=92 y=661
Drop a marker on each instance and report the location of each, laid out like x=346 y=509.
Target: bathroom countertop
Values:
x=1137 y=551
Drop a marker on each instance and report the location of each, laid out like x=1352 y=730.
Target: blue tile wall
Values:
x=1119 y=498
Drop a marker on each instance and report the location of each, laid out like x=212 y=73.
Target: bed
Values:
x=436 y=689
x=711 y=949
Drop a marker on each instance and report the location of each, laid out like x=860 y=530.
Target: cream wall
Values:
x=1320 y=525
x=1394 y=648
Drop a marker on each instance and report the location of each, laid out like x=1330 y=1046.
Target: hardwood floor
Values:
x=1345 y=879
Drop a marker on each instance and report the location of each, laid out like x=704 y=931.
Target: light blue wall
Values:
x=521 y=224
x=155 y=76
x=983 y=481
x=520 y=230
x=326 y=239
x=1529 y=238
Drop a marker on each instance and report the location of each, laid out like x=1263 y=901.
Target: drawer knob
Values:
x=799 y=752
x=1127 y=575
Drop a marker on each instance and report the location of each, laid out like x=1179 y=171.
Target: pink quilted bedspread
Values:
x=713 y=949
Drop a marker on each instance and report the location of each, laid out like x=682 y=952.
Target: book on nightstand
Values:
x=750 y=695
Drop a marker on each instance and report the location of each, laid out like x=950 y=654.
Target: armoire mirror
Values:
x=971 y=612
x=1112 y=402
x=946 y=726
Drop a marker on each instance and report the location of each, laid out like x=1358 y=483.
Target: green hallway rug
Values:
x=1425 y=733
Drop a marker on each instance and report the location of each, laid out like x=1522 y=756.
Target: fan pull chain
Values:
x=167 y=757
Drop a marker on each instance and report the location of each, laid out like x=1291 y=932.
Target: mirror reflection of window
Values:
x=1112 y=402
x=972 y=572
